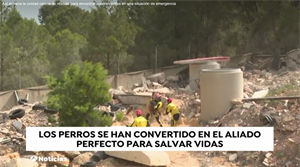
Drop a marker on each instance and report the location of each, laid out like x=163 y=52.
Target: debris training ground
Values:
x=283 y=115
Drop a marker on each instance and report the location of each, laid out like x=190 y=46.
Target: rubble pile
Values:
x=286 y=131
x=284 y=116
x=293 y=59
x=13 y=142
x=155 y=83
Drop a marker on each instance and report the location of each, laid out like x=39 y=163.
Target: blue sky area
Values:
x=31 y=11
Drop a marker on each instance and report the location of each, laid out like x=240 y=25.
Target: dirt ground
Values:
x=179 y=158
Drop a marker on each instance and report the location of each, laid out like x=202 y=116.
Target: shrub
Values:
x=120 y=116
x=77 y=92
x=104 y=121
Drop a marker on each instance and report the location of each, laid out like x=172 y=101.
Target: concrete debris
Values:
x=157 y=85
x=233 y=157
x=144 y=83
x=158 y=77
x=247 y=105
x=197 y=102
x=261 y=93
x=283 y=115
x=149 y=158
x=21 y=162
x=13 y=142
x=78 y=160
x=293 y=59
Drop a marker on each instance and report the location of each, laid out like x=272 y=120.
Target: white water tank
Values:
x=218 y=88
x=195 y=70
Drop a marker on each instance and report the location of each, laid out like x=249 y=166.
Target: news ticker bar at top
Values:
x=92 y=3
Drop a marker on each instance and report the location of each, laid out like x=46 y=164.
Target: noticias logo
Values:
x=49 y=158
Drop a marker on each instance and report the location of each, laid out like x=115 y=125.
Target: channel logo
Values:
x=34 y=158
x=49 y=158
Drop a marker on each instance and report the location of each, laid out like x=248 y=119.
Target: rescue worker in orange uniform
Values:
x=156 y=110
x=140 y=121
x=172 y=108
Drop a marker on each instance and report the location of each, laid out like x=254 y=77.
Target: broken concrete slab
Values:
x=158 y=77
x=137 y=99
x=139 y=89
x=260 y=94
x=18 y=125
x=149 y=83
x=247 y=105
x=191 y=115
x=162 y=90
x=197 y=102
x=157 y=85
x=150 y=158
x=172 y=78
x=144 y=83
x=21 y=162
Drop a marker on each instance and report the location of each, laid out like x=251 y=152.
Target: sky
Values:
x=30 y=10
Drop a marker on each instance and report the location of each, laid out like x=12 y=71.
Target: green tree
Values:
x=60 y=17
x=64 y=50
x=23 y=51
x=110 y=34
x=82 y=87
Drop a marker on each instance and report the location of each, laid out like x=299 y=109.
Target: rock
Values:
x=293 y=59
x=21 y=162
x=246 y=96
x=157 y=85
x=260 y=94
x=289 y=164
x=158 y=77
x=62 y=160
x=236 y=101
x=247 y=89
x=191 y=115
x=233 y=157
x=4 y=160
x=71 y=154
x=197 y=115
x=43 y=165
x=139 y=89
x=268 y=155
x=172 y=78
x=18 y=125
x=81 y=158
x=247 y=105
x=149 y=158
x=121 y=88
x=194 y=122
x=4 y=149
x=288 y=119
x=144 y=83
x=98 y=156
x=108 y=162
x=12 y=155
x=197 y=102
x=149 y=83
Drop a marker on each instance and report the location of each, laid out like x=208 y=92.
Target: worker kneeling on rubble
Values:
x=139 y=121
x=156 y=110
x=172 y=108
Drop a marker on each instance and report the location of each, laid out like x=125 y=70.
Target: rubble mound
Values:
x=239 y=116
x=286 y=123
